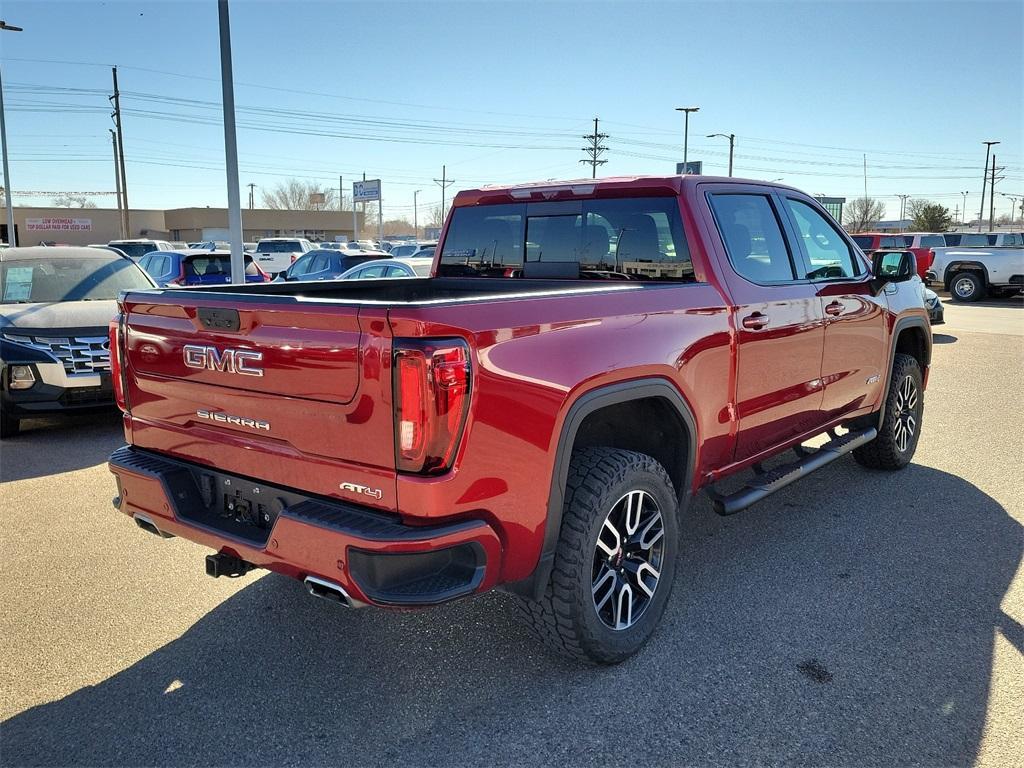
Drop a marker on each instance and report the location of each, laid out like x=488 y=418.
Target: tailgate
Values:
x=288 y=392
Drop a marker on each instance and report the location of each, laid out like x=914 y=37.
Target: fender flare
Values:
x=902 y=324
x=583 y=406
x=959 y=265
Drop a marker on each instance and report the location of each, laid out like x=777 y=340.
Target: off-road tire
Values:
x=884 y=452
x=967 y=286
x=566 y=617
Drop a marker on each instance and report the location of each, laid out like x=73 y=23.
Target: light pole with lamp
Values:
x=686 y=132
x=12 y=238
x=732 y=142
x=963 y=213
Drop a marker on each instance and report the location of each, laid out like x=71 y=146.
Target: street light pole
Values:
x=415 y=217
x=12 y=238
x=231 y=146
x=686 y=132
x=963 y=215
x=732 y=142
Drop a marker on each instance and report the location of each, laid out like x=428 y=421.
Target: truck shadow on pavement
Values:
x=61 y=444
x=847 y=621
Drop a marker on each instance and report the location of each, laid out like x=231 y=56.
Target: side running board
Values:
x=766 y=483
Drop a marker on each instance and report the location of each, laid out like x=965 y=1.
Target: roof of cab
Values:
x=55 y=252
x=611 y=186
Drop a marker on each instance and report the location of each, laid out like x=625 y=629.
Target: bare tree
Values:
x=435 y=217
x=73 y=201
x=298 y=195
x=863 y=213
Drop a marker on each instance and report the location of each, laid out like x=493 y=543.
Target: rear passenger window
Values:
x=827 y=252
x=753 y=238
x=932 y=241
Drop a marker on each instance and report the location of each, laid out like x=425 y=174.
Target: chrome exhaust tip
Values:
x=150 y=527
x=328 y=590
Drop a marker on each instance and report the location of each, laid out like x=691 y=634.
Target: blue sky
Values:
x=503 y=92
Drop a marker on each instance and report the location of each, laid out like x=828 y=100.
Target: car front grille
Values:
x=80 y=355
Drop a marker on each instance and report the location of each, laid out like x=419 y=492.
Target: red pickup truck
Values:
x=586 y=357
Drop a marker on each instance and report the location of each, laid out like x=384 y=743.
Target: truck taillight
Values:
x=931 y=257
x=431 y=386
x=117 y=370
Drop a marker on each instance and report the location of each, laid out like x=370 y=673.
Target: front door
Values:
x=854 y=359
x=778 y=320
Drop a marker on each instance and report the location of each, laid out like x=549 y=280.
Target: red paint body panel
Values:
x=326 y=390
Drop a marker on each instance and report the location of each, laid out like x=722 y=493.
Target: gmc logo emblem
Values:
x=228 y=361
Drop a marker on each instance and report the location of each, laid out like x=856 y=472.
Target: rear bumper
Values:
x=375 y=557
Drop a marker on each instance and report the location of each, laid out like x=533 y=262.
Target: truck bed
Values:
x=437 y=290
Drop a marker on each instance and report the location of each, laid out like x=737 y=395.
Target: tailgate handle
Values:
x=215 y=319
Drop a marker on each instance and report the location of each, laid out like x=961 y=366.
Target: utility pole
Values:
x=992 y=196
x=12 y=236
x=117 y=183
x=444 y=182
x=984 y=178
x=415 y=218
x=1013 y=204
x=126 y=225
x=595 y=150
x=732 y=142
x=865 y=184
x=252 y=196
x=903 y=208
x=963 y=213
x=686 y=132
x=227 y=86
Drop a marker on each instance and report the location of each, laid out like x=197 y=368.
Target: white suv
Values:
x=276 y=254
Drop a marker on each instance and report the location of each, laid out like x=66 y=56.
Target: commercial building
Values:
x=81 y=226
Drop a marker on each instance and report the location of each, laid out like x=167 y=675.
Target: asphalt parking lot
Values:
x=857 y=618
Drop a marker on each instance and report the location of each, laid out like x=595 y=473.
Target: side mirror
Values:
x=892 y=267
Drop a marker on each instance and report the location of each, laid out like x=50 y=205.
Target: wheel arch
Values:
x=963 y=266
x=652 y=405
x=910 y=335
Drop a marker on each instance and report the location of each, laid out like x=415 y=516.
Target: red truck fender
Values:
x=635 y=390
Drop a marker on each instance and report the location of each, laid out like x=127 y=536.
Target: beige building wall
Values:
x=190 y=223
x=82 y=226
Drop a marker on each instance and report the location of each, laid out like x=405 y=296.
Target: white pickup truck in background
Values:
x=972 y=274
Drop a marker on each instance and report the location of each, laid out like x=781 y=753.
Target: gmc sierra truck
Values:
x=585 y=357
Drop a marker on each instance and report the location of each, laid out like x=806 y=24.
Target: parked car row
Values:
x=970 y=265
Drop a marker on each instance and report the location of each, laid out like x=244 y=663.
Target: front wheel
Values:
x=897 y=438
x=615 y=560
x=967 y=286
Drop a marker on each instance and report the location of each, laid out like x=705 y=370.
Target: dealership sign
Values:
x=58 y=224
x=362 y=191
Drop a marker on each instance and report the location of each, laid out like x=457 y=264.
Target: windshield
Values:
x=64 y=279
x=135 y=250
x=624 y=239
x=279 y=246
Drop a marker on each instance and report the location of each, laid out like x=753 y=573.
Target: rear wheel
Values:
x=897 y=438
x=967 y=286
x=615 y=560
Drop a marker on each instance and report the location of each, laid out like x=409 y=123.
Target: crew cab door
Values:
x=778 y=319
x=855 y=351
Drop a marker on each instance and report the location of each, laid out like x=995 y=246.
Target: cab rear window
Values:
x=624 y=239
